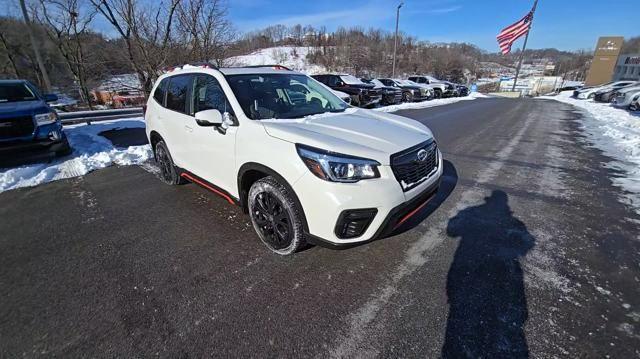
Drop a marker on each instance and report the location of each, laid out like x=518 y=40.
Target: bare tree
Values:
x=146 y=30
x=204 y=26
x=66 y=23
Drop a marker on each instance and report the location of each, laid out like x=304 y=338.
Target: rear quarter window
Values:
x=161 y=91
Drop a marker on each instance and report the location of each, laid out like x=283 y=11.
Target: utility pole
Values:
x=43 y=70
x=395 y=41
x=524 y=46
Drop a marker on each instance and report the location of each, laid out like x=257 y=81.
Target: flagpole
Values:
x=524 y=46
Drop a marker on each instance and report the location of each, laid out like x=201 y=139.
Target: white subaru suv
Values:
x=305 y=166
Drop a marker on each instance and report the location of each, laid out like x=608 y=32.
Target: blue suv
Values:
x=28 y=126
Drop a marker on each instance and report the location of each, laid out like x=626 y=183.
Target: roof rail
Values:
x=275 y=66
x=207 y=65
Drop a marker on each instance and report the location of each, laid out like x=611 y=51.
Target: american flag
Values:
x=513 y=32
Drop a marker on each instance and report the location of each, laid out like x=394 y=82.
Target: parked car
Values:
x=315 y=170
x=390 y=95
x=589 y=93
x=462 y=90
x=410 y=92
x=635 y=104
x=28 y=126
x=440 y=89
x=625 y=96
x=608 y=94
x=362 y=94
x=426 y=90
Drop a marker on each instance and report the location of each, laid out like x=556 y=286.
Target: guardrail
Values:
x=68 y=118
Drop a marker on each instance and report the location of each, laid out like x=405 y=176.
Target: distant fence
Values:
x=68 y=118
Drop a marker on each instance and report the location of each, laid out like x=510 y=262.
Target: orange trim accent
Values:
x=412 y=213
x=192 y=179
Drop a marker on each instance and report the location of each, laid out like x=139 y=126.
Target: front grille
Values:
x=409 y=170
x=16 y=127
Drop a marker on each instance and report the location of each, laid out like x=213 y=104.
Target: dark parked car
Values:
x=28 y=126
x=362 y=94
x=390 y=95
x=462 y=90
x=410 y=92
x=608 y=94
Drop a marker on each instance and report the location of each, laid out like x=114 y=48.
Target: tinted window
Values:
x=286 y=95
x=161 y=91
x=333 y=81
x=13 y=92
x=177 y=93
x=207 y=95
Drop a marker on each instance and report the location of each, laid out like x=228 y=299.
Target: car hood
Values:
x=356 y=132
x=21 y=108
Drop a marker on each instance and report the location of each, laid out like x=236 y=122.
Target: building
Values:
x=627 y=68
x=604 y=60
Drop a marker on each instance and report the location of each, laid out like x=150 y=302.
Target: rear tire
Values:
x=168 y=171
x=634 y=107
x=275 y=217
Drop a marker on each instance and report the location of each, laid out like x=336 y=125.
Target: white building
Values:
x=627 y=68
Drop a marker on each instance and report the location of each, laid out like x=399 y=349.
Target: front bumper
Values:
x=48 y=139
x=323 y=202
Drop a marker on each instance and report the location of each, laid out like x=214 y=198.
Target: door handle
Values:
x=188 y=128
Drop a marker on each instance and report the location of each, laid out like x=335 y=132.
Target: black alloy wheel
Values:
x=272 y=220
x=168 y=173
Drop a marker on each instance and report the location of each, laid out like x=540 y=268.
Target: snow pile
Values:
x=424 y=104
x=293 y=57
x=617 y=133
x=90 y=152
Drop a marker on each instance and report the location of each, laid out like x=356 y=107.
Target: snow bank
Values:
x=90 y=152
x=617 y=133
x=423 y=104
x=293 y=57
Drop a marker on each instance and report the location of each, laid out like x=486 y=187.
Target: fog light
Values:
x=55 y=135
x=353 y=223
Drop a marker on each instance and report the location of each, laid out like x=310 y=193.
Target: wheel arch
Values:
x=154 y=138
x=250 y=172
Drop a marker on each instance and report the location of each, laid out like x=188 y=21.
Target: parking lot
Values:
x=526 y=250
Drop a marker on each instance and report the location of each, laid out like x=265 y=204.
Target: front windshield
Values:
x=14 y=92
x=377 y=83
x=264 y=96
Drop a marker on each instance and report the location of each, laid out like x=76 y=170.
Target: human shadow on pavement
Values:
x=485 y=285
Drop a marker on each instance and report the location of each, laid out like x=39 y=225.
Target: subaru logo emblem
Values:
x=422 y=155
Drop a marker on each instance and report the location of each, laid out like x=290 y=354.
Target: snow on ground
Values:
x=293 y=57
x=617 y=133
x=90 y=152
x=431 y=103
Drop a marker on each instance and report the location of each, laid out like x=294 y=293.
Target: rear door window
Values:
x=177 y=93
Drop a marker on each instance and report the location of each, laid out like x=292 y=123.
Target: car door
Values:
x=175 y=118
x=212 y=149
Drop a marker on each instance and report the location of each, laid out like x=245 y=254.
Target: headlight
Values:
x=335 y=167
x=46 y=118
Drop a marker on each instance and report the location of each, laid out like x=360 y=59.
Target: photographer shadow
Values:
x=485 y=285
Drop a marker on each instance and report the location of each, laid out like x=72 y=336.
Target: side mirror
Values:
x=50 y=97
x=209 y=118
x=340 y=83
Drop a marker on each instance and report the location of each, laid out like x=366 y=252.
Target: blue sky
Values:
x=563 y=24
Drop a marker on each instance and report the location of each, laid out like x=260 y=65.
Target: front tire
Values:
x=168 y=172
x=634 y=107
x=407 y=97
x=275 y=217
x=437 y=93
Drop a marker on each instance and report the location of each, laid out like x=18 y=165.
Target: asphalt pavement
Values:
x=527 y=251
